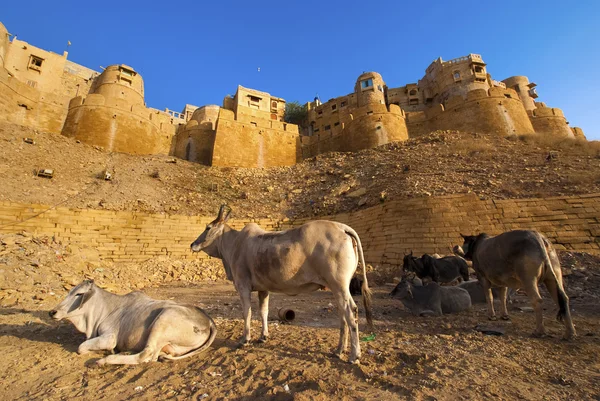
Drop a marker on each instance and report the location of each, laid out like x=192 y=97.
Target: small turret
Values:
x=369 y=88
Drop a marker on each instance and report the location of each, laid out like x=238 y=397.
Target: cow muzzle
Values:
x=195 y=247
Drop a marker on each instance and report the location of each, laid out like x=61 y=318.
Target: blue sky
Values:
x=198 y=52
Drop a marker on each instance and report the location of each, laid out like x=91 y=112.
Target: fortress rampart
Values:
x=495 y=110
x=551 y=121
x=44 y=90
x=115 y=117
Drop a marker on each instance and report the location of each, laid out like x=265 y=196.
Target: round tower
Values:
x=524 y=89
x=120 y=82
x=3 y=43
x=369 y=89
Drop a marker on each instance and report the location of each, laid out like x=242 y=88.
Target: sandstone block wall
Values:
x=498 y=111
x=387 y=231
x=550 y=121
x=370 y=126
x=24 y=105
x=428 y=225
x=263 y=143
x=118 y=126
x=117 y=236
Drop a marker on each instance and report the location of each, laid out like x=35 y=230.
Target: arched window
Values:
x=412 y=92
x=456 y=75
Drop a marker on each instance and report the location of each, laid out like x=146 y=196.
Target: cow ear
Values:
x=464 y=236
x=86 y=297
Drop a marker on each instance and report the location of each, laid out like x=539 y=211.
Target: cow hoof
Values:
x=492 y=318
x=535 y=334
x=354 y=361
x=262 y=340
x=505 y=317
x=101 y=362
x=243 y=343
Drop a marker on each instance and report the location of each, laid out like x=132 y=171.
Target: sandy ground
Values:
x=411 y=358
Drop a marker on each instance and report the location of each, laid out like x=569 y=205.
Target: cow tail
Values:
x=366 y=292
x=563 y=300
x=202 y=348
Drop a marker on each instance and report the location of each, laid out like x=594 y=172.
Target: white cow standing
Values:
x=318 y=254
x=135 y=322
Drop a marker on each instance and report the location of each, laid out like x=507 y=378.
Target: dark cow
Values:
x=519 y=259
x=441 y=270
x=431 y=299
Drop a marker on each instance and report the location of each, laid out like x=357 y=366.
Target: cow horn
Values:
x=221 y=210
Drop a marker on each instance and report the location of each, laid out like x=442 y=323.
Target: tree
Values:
x=295 y=113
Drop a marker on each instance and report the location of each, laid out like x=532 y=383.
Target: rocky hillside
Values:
x=444 y=162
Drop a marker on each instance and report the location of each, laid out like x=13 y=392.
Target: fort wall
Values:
x=259 y=143
x=115 y=117
x=496 y=110
x=550 y=121
x=196 y=140
x=387 y=231
x=21 y=104
x=4 y=43
x=374 y=125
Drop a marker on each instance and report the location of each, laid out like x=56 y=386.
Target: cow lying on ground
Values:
x=441 y=269
x=476 y=291
x=519 y=259
x=431 y=299
x=136 y=323
x=315 y=255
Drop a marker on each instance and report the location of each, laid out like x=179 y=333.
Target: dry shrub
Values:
x=583 y=178
x=471 y=147
x=573 y=146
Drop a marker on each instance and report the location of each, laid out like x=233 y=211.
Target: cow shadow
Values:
x=46 y=331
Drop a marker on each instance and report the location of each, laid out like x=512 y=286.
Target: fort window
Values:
x=413 y=102
x=367 y=83
x=334 y=107
x=413 y=92
x=253 y=101
x=33 y=84
x=252 y=123
x=478 y=69
x=343 y=104
x=316 y=130
x=274 y=104
x=320 y=112
x=35 y=63
x=369 y=113
x=336 y=124
x=327 y=127
x=456 y=76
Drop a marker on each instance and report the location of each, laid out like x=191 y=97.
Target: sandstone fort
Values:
x=46 y=91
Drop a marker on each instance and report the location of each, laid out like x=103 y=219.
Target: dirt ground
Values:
x=410 y=358
x=444 y=162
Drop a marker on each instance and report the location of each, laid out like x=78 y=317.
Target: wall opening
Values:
x=367 y=83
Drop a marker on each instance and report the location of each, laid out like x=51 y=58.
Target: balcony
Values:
x=533 y=93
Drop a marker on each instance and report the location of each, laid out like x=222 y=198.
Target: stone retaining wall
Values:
x=387 y=231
